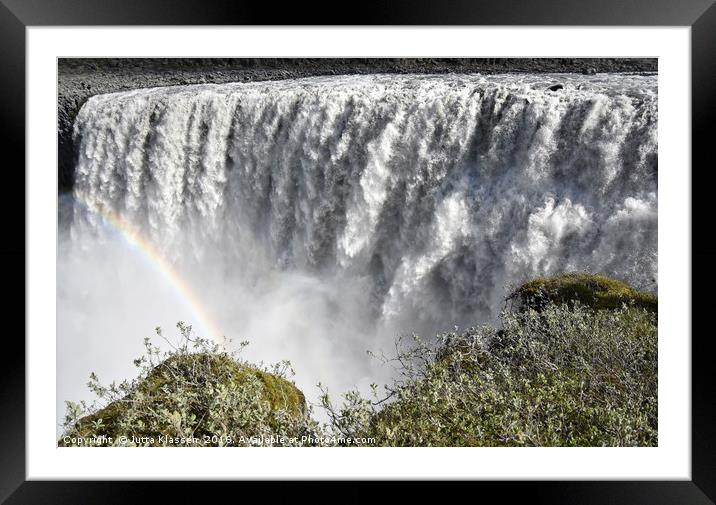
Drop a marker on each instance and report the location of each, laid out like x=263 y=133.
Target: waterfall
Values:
x=433 y=193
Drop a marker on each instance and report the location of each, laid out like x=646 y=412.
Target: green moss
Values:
x=186 y=384
x=594 y=291
x=277 y=391
x=281 y=394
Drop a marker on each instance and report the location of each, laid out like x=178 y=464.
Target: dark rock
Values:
x=556 y=87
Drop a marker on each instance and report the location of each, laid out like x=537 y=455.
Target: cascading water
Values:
x=320 y=217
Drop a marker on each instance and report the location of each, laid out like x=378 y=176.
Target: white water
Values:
x=319 y=217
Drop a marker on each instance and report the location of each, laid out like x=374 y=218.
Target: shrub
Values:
x=202 y=396
x=565 y=376
x=594 y=291
x=575 y=365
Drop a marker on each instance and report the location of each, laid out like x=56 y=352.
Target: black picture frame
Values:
x=16 y=15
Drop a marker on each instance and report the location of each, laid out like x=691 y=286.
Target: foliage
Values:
x=561 y=370
x=193 y=395
x=595 y=291
x=565 y=376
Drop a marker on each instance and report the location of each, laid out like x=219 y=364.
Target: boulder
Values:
x=595 y=291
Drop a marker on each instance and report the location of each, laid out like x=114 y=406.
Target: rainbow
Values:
x=140 y=244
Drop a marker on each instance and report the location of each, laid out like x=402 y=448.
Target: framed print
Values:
x=359 y=252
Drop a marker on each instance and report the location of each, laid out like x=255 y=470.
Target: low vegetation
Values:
x=572 y=363
x=565 y=376
x=193 y=395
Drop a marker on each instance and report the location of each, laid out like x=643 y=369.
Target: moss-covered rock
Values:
x=594 y=291
x=185 y=394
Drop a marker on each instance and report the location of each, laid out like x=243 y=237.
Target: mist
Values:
x=320 y=218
